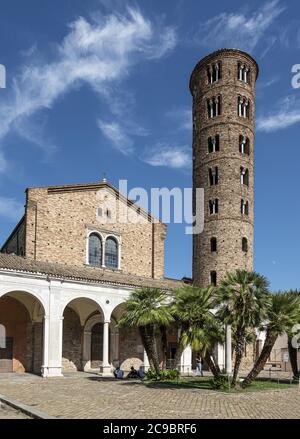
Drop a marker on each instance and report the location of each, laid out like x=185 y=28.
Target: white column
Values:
x=87 y=346
x=186 y=361
x=146 y=361
x=106 y=367
x=228 y=350
x=53 y=334
x=103 y=253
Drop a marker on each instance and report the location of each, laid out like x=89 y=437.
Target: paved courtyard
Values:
x=9 y=413
x=81 y=395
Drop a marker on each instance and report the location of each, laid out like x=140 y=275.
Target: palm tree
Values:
x=193 y=311
x=282 y=316
x=243 y=301
x=147 y=309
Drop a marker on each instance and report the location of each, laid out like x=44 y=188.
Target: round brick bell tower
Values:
x=223 y=89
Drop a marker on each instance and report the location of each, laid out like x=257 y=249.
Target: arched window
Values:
x=213 y=72
x=243 y=73
x=244 y=173
x=111 y=253
x=243 y=107
x=213 y=174
x=214 y=206
x=214 y=143
x=245 y=245
x=95 y=250
x=213 y=244
x=214 y=107
x=244 y=207
x=213 y=278
x=244 y=145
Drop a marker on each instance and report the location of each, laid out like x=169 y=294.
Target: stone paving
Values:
x=81 y=395
x=9 y=413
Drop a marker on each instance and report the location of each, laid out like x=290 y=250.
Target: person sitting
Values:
x=133 y=373
x=119 y=373
x=141 y=373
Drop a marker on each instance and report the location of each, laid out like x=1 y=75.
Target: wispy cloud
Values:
x=238 y=29
x=117 y=136
x=172 y=156
x=10 y=208
x=98 y=52
x=287 y=114
x=182 y=117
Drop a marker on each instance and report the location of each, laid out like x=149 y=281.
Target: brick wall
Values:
x=58 y=221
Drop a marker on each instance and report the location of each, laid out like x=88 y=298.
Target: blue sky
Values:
x=102 y=87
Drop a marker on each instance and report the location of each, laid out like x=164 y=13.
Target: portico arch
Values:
x=129 y=344
x=76 y=346
x=22 y=314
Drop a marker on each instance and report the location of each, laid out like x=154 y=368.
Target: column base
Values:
x=106 y=371
x=51 y=372
x=186 y=369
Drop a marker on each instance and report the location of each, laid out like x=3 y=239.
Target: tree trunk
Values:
x=179 y=351
x=262 y=359
x=239 y=351
x=164 y=345
x=293 y=358
x=149 y=342
x=215 y=370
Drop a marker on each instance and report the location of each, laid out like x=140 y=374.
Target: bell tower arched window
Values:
x=243 y=107
x=213 y=278
x=214 y=143
x=214 y=206
x=244 y=173
x=244 y=207
x=213 y=176
x=214 y=72
x=95 y=250
x=213 y=244
x=245 y=245
x=243 y=73
x=214 y=107
x=244 y=145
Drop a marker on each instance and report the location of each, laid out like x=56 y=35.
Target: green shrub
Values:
x=223 y=382
x=164 y=375
x=151 y=374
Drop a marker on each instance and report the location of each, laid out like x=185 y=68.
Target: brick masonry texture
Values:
x=229 y=226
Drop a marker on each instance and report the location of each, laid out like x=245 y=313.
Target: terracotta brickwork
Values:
x=229 y=226
x=16 y=242
x=58 y=221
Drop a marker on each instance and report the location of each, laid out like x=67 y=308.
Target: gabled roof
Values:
x=95 y=186
x=18 y=264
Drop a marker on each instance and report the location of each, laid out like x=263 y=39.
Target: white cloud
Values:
x=10 y=208
x=168 y=155
x=3 y=162
x=288 y=114
x=117 y=136
x=238 y=29
x=98 y=53
x=182 y=117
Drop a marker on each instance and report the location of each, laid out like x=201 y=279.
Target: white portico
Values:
x=70 y=322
